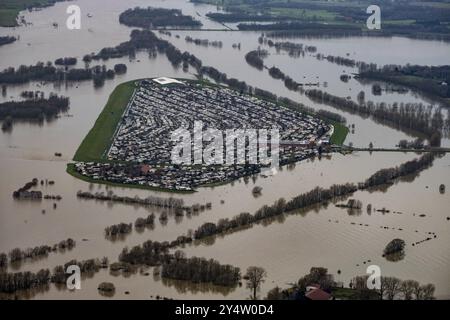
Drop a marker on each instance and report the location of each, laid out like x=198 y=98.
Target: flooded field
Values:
x=288 y=247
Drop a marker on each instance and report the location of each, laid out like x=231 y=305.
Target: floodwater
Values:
x=288 y=247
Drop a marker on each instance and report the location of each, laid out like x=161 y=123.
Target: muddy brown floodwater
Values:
x=287 y=247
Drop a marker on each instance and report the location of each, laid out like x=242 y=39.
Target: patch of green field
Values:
x=352 y=294
x=303 y=14
x=8 y=17
x=339 y=134
x=399 y=22
x=9 y=9
x=99 y=138
x=443 y=5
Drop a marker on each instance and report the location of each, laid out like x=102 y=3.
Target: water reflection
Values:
x=304 y=242
x=185 y=287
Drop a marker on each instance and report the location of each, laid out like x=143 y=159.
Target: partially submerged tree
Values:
x=255 y=277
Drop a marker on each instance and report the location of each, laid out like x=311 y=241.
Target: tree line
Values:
x=305 y=29
x=390 y=288
x=393 y=288
x=432 y=80
x=147 y=40
x=200 y=270
x=316 y=196
x=177 y=266
x=49 y=73
x=294 y=49
x=12 y=282
x=157 y=17
x=203 y=42
x=385 y=176
x=116 y=230
x=67 y=61
x=7 y=40
x=240 y=16
x=35 y=109
x=412 y=116
x=152 y=253
x=17 y=254
x=170 y=203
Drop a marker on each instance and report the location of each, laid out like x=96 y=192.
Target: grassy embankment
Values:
x=339 y=134
x=99 y=138
x=9 y=9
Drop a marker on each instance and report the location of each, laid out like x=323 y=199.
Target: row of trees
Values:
x=35 y=109
x=121 y=229
x=316 y=196
x=238 y=16
x=18 y=254
x=293 y=49
x=285 y=29
x=12 y=282
x=390 y=288
x=156 y=17
x=145 y=222
x=433 y=80
x=384 y=176
x=177 y=266
x=66 y=61
x=118 y=229
x=342 y=61
x=6 y=40
x=48 y=72
x=393 y=288
x=146 y=39
x=410 y=116
x=280 y=206
x=170 y=203
x=332 y=116
x=155 y=253
x=415 y=144
x=200 y=270
x=204 y=42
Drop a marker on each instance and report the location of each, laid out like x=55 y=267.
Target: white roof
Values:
x=165 y=80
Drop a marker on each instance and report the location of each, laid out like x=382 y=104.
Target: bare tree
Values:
x=428 y=291
x=359 y=283
x=417 y=289
x=255 y=277
x=407 y=288
x=383 y=286
x=392 y=287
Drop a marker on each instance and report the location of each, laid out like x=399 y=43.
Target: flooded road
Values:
x=286 y=248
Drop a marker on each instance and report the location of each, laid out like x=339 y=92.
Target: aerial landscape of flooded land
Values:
x=88 y=178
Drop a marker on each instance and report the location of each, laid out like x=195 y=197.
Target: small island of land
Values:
x=9 y=9
x=130 y=143
x=157 y=18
